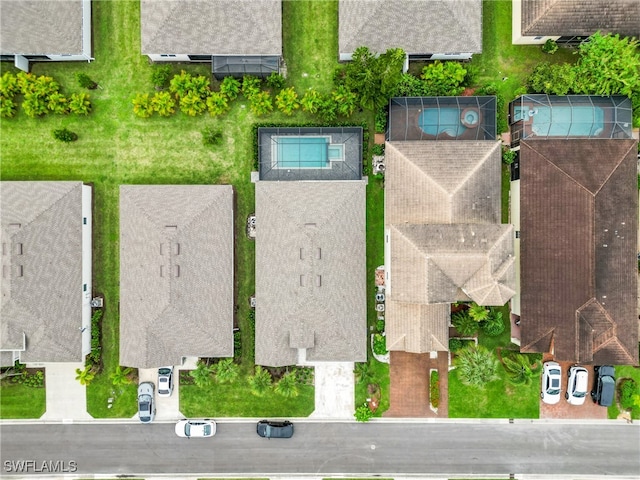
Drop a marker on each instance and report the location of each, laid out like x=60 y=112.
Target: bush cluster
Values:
x=94 y=359
x=434 y=389
x=379 y=344
x=65 y=135
x=627 y=389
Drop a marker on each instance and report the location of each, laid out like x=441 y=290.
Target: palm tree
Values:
x=478 y=312
x=226 y=371
x=287 y=386
x=362 y=372
x=464 y=324
x=201 y=375
x=476 y=365
x=260 y=382
x=84 y=376
x=121 y=376
x=520 y=368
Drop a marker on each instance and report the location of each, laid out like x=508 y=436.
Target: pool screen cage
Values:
x=569 y=116
x=442 y=118
x=333 y=153
x=238 y=66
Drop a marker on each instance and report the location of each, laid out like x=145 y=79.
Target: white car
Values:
x=196 y=428
x=551 y=378
x=577 y=385
x=165 y=381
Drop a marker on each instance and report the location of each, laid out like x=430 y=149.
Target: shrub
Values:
x=329 y=110
x=95 y=355
x=494 y=324
x=260 y=381
x=377 y=149
x=217 y=104
x=8 y=107
x=381 y=120
x=252 y=319
x=85 y=81
x=363 y=413
x=260 y=103
x=237 y=344
x=33 y=105
x=508 y=156
x=464 y=324
x=550 y=47
x=455 y=344
x=275 y=81
x=304 y=375
x=627 y=389
x=180 y=84
x=230 y=87
x=86 y=376
x=142 y=105
x=434 y=389
x=311 y=101
x=409 y=86
x=35 y=380
x=443 y=78
x=160 y=76
x=65 y=135
x=192 y=104
x=379 y=344
x=250 y=86
x=200 y=85
x=8 y=85
x=345 y=101
x=287 y=101
x=476 y=365
x=57 y=103
x=380 y=325
x=163 y=103
x=79 y=103
x=211 y=136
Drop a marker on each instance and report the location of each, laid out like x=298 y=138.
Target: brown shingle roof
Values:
x=42 y=270
x=580 y=17
x=176 y=273
x=211 y=27
x=418 y=27
x=579 y=221
x=43 y=27
x=310 y=271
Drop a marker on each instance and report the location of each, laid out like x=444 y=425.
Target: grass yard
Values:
x=625 y=372
x=20 y=401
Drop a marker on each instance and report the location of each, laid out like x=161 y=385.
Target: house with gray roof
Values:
x=311 y=295
x=237 y=37
x=46 y=272
x=176 y=273
x=572 y=21
x=45 y=30
x=443 y=239
x=438 y=29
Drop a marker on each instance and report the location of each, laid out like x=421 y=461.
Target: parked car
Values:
x=165 y=381
x=604 y=386
x=577 y=385
x=196 y=428
x=551 y=378
x=273 y=429
x=146 y=403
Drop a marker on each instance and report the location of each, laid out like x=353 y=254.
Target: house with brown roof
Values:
x=311 y=295
x=438 y=29
x=46 y=272
x=577 y=227
x=237 y=37
x=443 y=239
x=45 y=30
x=572 y=21
x=176 y=273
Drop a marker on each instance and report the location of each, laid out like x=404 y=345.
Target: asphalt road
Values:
x=330 y=448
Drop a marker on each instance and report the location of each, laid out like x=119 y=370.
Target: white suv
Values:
x=577 y=385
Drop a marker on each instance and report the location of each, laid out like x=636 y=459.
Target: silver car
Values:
x=551 y=378
x=165 y=381
x=146 y=403
x=577 y=385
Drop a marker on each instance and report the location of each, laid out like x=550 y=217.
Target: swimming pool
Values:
x=434 y=121
x=304 y=151
x=563 y=121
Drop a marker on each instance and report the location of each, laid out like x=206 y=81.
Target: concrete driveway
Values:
x=66 y=398
x=334 y=390
x=167 y=408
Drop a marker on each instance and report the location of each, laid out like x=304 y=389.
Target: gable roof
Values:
x=211 y=27
x=42 y=270
x=580 y=17
x=418 y=27
x=52 y=27
x=176 y=273
x=579 y=222
x=310 y=271
x=417 y=328
x=442 y=182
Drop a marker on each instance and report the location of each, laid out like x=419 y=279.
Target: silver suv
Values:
x=146 y=402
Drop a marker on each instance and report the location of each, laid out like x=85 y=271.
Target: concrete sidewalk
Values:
x=66 y=398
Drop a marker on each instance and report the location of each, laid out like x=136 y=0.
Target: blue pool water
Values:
x=563 y=121
x=434 y=121
x=301 y=151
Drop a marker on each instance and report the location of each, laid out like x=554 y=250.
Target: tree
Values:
x=554 y=79
x=287 y=386
x=121 y=376
x=226 y=371
x=311 y=101
x=520 y=368
x=443 y=78
x=85 y=377
x=362 y=372
x=201 y=375
x=163 y=103
x=464 y=324
x=260 y=381
x=476 y=365
x=478 y=312
x=230 y=87
x=363 y=413
x=287 y=101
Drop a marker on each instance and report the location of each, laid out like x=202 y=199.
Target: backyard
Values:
x=115 y=147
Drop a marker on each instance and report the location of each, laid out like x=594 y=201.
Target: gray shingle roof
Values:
x=212 y=27
x=417 y=328
x=579 y=223
x=176 y=273
x=310 y=271
x=43 y=27
x=418 y=27
x=580 y=17
x=42 y=269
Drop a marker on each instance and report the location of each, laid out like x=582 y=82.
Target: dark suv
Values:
x=271 y=429
x=604 y=387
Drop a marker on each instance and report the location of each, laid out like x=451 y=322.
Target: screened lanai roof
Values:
x=239 y=65
x=442 y=118
x=570 y=116
x=310 y=153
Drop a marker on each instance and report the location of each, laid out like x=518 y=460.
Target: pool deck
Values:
x=404 y=125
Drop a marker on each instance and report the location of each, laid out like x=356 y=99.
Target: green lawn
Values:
x=625 y=372
x=19 y=401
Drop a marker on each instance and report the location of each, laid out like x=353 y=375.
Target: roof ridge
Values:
x=543 y=12
x=476 y=167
